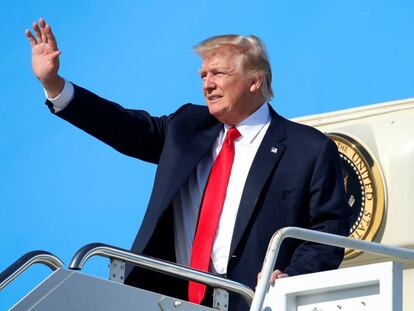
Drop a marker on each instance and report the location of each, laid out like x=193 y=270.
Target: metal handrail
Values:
x=318 y=237
x=27 y=260
x=99 y=249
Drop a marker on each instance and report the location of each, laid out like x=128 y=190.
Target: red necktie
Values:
x=211 y=208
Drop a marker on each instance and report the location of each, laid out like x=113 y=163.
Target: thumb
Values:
x=55 y=54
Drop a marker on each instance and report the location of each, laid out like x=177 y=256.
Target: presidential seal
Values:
x=364 y=187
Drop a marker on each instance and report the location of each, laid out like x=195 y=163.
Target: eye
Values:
x=219 y=72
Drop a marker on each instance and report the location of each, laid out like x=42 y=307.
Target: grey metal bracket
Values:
x=220 y=299
x=117 y=271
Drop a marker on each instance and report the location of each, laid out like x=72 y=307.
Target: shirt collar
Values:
x=253 y=124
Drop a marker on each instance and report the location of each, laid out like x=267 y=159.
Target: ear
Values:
x=256 y=83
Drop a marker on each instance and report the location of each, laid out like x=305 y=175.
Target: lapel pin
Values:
x=273 y=150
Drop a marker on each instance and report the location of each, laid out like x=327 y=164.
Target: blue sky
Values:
x=61 y=189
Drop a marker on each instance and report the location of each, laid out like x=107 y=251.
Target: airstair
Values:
x=371 y=287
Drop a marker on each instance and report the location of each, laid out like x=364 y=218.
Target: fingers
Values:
x=51 y=37
x=42 y=22
x=277 y=274
x=40 y=31
x=44 y=35
x=42 y=25
x=55 y=54
x=36 y=28
x=31 y=38
x=259 y=276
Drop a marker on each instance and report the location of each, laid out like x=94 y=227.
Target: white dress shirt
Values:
x=63 y=99
x=188 y=200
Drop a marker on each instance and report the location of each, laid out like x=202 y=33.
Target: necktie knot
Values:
x=232 y=134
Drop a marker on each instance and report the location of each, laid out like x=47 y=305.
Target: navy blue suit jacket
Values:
x=299 y=185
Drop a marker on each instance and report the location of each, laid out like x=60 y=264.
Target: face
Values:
x=230 y=95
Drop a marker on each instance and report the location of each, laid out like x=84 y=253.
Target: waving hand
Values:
x=45 y=57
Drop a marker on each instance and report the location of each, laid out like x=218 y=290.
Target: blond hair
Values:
x=251 y=49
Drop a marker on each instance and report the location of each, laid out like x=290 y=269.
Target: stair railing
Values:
x=103 y=250
x=399 y=253
x=27 y=260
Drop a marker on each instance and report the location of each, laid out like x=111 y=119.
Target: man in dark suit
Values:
x=279 y=173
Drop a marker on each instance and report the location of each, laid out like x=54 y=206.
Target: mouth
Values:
x=214 y=97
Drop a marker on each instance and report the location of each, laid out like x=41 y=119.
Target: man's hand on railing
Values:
x=277 y=274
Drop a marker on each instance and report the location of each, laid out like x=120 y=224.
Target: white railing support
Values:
x=398 y=253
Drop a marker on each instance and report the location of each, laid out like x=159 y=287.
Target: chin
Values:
x=222 y=117
x=213 y=110
x=219 y=113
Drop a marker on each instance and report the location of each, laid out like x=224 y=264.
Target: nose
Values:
x=208 y=83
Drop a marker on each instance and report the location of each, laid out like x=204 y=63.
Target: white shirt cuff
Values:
x=61 y=101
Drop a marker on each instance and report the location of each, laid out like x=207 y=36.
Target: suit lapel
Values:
x=268 y=155
x=180 y=161
x=185 y=162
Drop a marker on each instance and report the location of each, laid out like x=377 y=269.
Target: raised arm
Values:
x=45 y=57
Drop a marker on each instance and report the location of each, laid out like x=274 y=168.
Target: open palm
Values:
x=45 y=53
